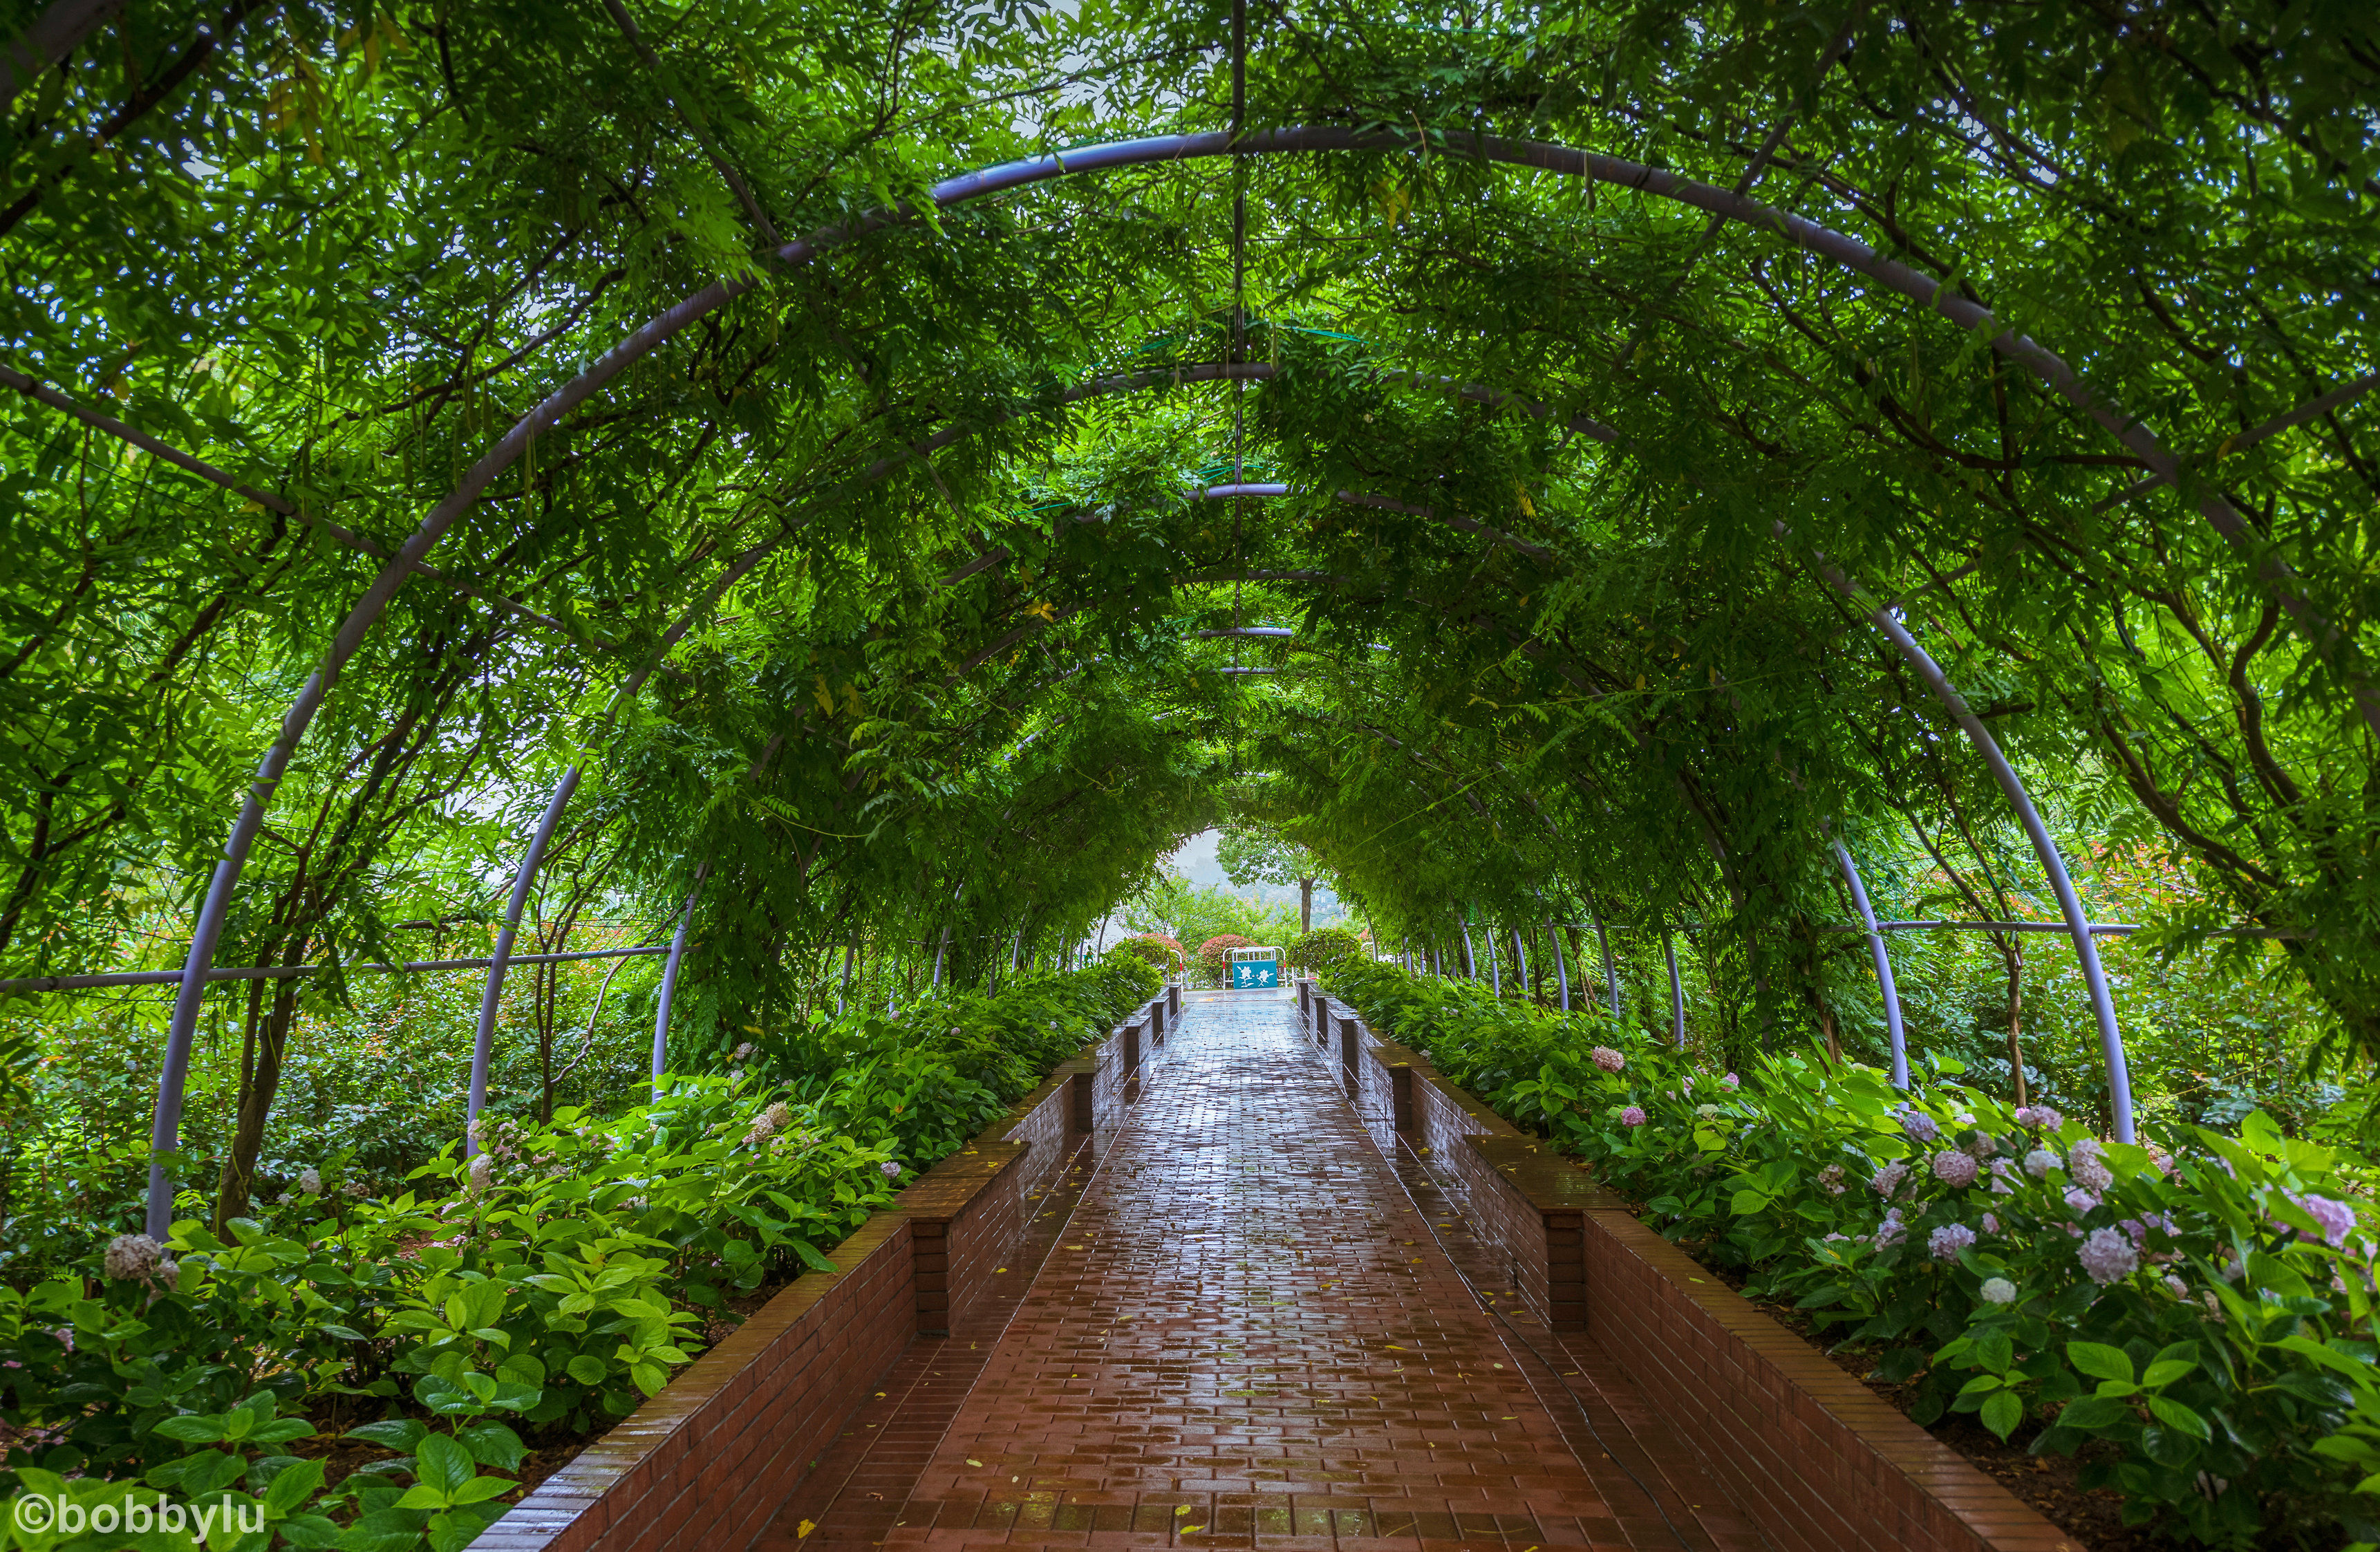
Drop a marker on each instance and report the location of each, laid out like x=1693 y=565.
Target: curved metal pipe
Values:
x=1610 y=971
x=1883 y=964
x=524 y=878
x=2070 y=903
x=1520 y=964
x=1677 y=988
x=668 y=980
x=1562 y=970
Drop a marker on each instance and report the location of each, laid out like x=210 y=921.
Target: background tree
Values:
x=1256 y=853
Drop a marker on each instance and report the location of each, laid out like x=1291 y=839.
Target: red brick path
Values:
x=1246 y=1334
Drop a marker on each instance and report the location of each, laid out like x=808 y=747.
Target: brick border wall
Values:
x=707 y=1462
x=1818 y=1459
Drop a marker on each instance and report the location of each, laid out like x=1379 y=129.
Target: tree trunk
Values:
x=1305 y=905
x=2012 y=954
x=238 y=1183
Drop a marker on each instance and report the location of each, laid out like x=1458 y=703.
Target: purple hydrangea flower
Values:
x=1887 y=1179
x=2039 y=1115
x=1609 y=1060
x=1633 y=1116
x=1891 y=1231
x=1991 y=1223
x=1948 y=1241
x=1917 y=1123
x=1955 y=1169
x=892 y=1170
x=2109 y=1255
x=2337 y=1218
x=1830 y=1180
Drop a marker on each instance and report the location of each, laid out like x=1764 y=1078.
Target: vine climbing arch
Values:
x=1680 y=510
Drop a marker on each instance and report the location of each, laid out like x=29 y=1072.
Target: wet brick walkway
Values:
x=1247 y=1327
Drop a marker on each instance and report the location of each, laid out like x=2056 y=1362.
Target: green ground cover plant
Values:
x=541 y=1289
x=2203 y=1302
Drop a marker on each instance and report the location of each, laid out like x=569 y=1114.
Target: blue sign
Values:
x=1255 y=973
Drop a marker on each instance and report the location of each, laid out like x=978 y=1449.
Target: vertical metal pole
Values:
x=1520 y=963
x=669 y=980
x=939 y=950
x=2070 y=903
x=844 y=990
x=1883 y=964
x=1469 y=956
x=1610 y=972
x=1561 y=969
x=490 y=995
x=1677 y=988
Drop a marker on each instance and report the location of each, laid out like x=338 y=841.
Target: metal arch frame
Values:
x=2112 y=1044
x=668 y=995
x=1927 y=290
x=2070 y=903
x=1882 y=961
x=1677 y=987
x=164 y=1127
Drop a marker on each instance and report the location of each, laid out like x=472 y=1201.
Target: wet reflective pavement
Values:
x=1247 y=1327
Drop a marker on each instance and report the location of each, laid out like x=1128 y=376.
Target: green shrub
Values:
x=1155 y=948
x=1325 y=945
x=2202 y=1305
x=550 y=1284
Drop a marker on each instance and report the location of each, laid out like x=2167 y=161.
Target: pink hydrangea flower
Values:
x=1631 y=1115
x=1830 y=1180
x=2083 y=1162
x=1991 y=1223
x=2108 y=1255
x=2039 y=1163
x=1729 y=1082
x=2079 y=1201
x=1948 y=1241
x=1917 y=1123
x=2039 y=1115
x=2001 y=1184
x=1955 y=1169
x=1887 y=1179
x=1609 y=1060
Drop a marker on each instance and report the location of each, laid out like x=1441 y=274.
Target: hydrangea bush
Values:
x=2200 y=1304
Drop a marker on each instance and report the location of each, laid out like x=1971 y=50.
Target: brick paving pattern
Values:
x=1241 y=1330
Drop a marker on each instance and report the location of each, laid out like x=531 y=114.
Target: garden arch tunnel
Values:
x=1496 y=469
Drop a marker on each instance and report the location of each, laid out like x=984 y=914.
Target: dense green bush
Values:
x=1159 y=949
x=547 y=1285
x=1325 y=945
x=2203 y=1302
